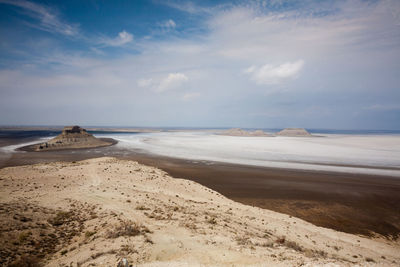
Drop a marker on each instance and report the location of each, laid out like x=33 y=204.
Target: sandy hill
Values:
x=295 y=132
x=71 y=137
x=96 y=212
x=241 y=132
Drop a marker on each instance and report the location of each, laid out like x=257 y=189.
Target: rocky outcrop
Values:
x=294 y=132
x=71 y=137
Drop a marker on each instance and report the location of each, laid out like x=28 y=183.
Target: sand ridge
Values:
x=105 y=209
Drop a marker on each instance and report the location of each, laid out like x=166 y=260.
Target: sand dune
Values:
x=100 y=210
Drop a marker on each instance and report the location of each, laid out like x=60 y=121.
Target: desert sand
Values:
x=97 y=211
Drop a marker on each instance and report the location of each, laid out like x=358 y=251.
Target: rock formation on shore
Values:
x=294 y=132
x=72 y=137
x=241 y=132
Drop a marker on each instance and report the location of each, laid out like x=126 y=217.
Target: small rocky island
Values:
x=294 y=132
x=71 y=137
x=241 y=132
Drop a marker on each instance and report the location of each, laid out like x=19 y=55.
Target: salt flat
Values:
x=364 y=154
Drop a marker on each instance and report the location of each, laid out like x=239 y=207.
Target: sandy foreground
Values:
x=98 y=211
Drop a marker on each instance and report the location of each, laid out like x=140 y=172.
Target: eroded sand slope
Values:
x=101 y=210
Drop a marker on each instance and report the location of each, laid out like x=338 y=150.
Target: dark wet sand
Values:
x=352 y=203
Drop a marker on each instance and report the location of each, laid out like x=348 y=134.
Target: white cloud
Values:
x=188 y=7
x=386 y=107
x=172 y=81
x=123 y=38
x=190 y=96
x=145 y=82
x=97 y=51
x=168 y=25
x=270 y=74
x=48 y=18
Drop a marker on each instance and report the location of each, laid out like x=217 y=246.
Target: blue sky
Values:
x=258 y=64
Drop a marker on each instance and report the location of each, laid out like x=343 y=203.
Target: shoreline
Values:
x=352 y=203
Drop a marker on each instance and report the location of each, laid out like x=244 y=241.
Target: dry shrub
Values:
x=268 y=244
x=127 y=249
x=22 y=237
x=148 y=240
x=26 y=261
x=368 y=259
x=243 y=240
x=281 y=240
x=142 y=207
x=102 y=253
x=290 y=244
x=127 y=228
x=311 y=253
x=95 y=256
x=190 y=225
x=61 y=218
x=89 y=234
x=293 y=245
x=212 y=220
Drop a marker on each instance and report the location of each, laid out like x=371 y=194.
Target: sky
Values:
x=165 y=63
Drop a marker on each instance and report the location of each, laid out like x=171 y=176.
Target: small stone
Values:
x=123 y=263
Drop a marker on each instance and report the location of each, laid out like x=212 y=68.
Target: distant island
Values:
x=241 y=132
x=71 y=137
x=294 y=132
x=290 y=132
